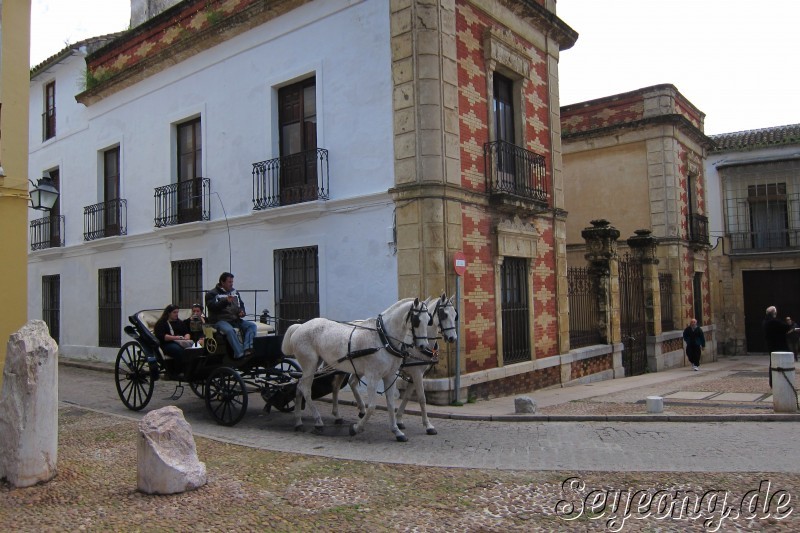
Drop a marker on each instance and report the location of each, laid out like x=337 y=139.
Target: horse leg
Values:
x=389 y=391
x=337 y=384
x=420 y=388
x=403 y=402
x=372 y=397
x=304 y=391
x=354 y=383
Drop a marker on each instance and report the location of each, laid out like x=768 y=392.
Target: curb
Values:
x=761 y=417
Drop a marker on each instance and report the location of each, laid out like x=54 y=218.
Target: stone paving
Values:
x=476 y=475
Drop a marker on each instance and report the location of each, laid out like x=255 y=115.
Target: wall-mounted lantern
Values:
x=44 y=194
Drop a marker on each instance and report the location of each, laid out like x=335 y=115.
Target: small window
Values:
x=187 y=282
x=109 y=307
x=296 y=286
x=51 y=305
x=49 y=115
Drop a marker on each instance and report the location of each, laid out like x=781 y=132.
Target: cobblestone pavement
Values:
x=475 y=475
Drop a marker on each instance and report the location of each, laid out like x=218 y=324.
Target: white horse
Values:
x=372 y=352
x=445 y=317
x=414 y=367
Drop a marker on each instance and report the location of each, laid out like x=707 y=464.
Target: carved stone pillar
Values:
x=601 y=242
x=644 y=247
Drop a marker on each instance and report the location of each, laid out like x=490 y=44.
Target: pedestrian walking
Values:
x=793 y=337
x=695 y=342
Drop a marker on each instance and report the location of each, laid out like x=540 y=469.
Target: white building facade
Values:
x=158 y=184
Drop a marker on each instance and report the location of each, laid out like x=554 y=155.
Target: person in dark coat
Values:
x=695 y=342
x=775 y=331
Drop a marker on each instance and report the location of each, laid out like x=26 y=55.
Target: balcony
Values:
x=291 y=179
x=766 y=241
x=182 y=202
x=515 y=177
x=47 y=232
x=763 y=217
x=106 y=219
x=698 y=228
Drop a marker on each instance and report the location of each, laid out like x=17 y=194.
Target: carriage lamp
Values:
x=44 y=194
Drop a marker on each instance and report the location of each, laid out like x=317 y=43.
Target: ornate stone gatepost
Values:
x=644 y=247
x=601 y=242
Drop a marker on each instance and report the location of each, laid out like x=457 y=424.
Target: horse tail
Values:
x=286 y=345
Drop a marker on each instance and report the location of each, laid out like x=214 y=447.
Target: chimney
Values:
x=144 y=10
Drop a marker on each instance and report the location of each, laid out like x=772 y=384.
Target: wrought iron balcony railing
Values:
x=291 y=179
x=698 y=228
x=182 y=202
x=512 y=170
x=105 y=219
x=763 y=241
x=47 y=232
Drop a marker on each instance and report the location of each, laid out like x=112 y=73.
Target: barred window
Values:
x=296 y=286
x=109 y=306
x=187 y=282
x=51 y=305
x=515 y=310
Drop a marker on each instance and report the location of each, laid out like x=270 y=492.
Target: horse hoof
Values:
x=361 y=415
x=339 y=421
x=402 y=438
x=432 y=431
x=353 y=430
x=318 y=430
x=400 y=425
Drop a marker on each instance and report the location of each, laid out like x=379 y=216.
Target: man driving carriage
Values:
x=226 y=310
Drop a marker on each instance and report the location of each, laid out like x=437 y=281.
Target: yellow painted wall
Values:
x=14 y=87
x=609 y=183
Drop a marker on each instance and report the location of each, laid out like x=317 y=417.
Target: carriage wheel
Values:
x=284 y=367
x=132 y=375
x=199 y=388
x=226 y=396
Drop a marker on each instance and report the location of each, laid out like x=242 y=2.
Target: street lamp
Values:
x=44 y=194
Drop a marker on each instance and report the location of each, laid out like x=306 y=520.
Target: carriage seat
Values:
x=148 y=319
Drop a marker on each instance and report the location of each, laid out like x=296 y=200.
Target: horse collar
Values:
x=387 y=341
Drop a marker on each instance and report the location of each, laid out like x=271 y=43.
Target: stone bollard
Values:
x=167 y=455
x=655 y=404
x=784 y=397
x=29 y=407
x=524 y=405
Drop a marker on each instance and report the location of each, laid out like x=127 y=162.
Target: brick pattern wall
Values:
x=478 y=221
x=517 y=384
x=587 y=367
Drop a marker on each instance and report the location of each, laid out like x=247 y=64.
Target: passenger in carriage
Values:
x=195 y=324
x=172 y=332
x=225 y=310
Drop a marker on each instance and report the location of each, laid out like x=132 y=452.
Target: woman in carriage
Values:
x=172 y=333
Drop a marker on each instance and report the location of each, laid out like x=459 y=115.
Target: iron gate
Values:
x=634 y=330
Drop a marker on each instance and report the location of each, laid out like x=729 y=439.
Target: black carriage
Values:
x=211 y=373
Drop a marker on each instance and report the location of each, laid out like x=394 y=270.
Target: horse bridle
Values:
x=441 y=313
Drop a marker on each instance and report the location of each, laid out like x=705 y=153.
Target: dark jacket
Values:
x=220 y=309
x=775 y=334
x=161 y=329
x=694 y=337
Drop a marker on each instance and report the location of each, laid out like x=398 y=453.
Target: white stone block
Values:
x=167 y=455
x=524 y=405
x=29 y=407
x=655 y=404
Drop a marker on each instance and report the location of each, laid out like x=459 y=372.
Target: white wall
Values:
x=233 y=88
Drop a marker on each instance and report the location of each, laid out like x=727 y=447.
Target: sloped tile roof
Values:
x=741 y=141
x=91 y=44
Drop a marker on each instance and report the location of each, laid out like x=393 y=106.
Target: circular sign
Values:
x=460 y=263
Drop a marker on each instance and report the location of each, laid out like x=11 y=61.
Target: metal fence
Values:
x=584 y=311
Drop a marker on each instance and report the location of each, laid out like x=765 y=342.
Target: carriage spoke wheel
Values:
x=226 y=396
x=284 y=367
x=132 y=376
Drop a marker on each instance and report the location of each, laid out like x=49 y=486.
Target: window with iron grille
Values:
x=296 y=286
x=515 y=310
x=49 y=115
x=51 y=305
x=109 y=306
x=187 y=282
